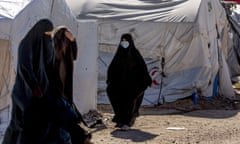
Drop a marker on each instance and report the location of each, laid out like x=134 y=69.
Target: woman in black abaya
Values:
x=30 y=118
x=127 y=79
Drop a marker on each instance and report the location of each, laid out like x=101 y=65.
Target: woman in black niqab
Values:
x=30 y=118
x=35 y=59
x=127 y=79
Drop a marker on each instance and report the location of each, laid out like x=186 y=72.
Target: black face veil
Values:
x=35 y=58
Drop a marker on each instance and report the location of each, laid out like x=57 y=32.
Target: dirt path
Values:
x=197 y=127
x=208 y=123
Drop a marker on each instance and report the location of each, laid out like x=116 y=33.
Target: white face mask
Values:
x=124 y=44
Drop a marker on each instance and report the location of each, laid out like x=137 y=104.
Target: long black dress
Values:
x=127 y=79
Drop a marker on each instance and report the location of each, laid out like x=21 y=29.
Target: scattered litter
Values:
x=175 y=128
x=92 y=118
x=236 y=85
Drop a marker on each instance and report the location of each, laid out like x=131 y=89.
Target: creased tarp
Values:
x=153 y=39
x=224 y=78
x=140 y=10
x=10 y=8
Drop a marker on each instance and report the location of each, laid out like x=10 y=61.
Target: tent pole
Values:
x=160 y=91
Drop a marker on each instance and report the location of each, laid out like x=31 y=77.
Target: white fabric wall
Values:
x=85 y=67
x=62 y=15
x=210 y=25
x=5 y=27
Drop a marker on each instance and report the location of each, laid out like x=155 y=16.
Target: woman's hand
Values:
x=36 y=91
x=69 y=35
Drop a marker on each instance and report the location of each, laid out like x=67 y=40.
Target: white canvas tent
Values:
x=189 y=37
x=16 y=19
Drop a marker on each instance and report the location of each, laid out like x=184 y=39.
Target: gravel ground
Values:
x=208 y=122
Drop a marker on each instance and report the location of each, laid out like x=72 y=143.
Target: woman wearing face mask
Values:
x=127 y=79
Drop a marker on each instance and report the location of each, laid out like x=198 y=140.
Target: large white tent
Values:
x=184 y=39
x=16 y=19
